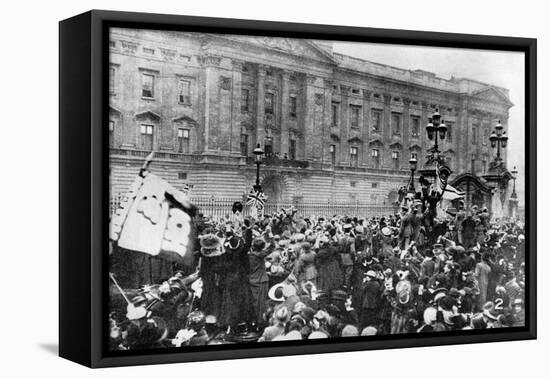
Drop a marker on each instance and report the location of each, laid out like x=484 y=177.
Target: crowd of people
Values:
x=286 y=276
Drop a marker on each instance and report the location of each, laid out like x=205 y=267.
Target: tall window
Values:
x=449 y=134
x=485 y=136
x=184 y=92
x=245 y=100
x=484 y=165
x=111 y=133
x=395 y=159
x=112 y=73
x=293 y=104
x=376 y=120
x=146 y=137
x=292 y=149
x=244 y=144
x=396 y=123
x=269 y=103
x=268 y=147
x=474 y=135
x=332 y=150
x=415 y=126
x=147 y=85
x=414 y=155
x=375 y=154
x=354 y=115
x=354 y=156
x=473 y=166
x=183 y=141
x=335 y=107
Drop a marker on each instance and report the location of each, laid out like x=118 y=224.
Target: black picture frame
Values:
x=83 y=182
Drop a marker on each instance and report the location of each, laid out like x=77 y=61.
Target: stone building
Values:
x=334 y=127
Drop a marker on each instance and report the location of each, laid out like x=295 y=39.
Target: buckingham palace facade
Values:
x=333 y=127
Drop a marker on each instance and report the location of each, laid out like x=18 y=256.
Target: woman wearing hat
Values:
x=258 y=278
x=212 y=273
x=305 y=269
x=370 y=304
x=481 y=273
x=236 y=296
x=386 y=242
x=330 y=274
x=280 y=318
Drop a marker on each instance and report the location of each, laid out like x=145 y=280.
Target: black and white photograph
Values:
x=266 y=189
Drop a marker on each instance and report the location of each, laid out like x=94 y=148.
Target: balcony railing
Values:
x=278 y=162
x=187 y=158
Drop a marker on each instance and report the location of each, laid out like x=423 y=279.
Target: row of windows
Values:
x=374 y=153
x=146 y=142
x=148 y=86
x=355 y=111
x=269 y=103
x=147 y=136
x=376 y=117
x=184 y=97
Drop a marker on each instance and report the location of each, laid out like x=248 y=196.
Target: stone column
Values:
x=326 y=124
x=236 y=108
x=309 y=122
x=318 y=126
x=344 y=127
x=461 y=138
x=405 y=155
x=285 y=109
x=366 y=127
x=260 y=106
x=385 y=154
x=211 y=64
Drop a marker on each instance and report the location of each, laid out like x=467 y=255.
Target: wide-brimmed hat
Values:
x=280 y=291
x=299 y=238
x=210 y=245
x=386 y=231
x=371 y=274
x=258 y=245
x=276 y=293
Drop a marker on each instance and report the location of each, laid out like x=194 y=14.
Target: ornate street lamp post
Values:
x=498 y=139
x=436 y=130
x=258 y=158
x=412 y=164
x=513 y=201
x=514 y=176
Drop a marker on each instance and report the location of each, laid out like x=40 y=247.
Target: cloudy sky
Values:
x=501 y=68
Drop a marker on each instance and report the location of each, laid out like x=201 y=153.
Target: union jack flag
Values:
x=256 y=198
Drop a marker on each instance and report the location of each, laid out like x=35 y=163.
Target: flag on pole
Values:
x=256 y=198
x=451 y=193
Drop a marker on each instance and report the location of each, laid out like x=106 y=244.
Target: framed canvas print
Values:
x=234 y=188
